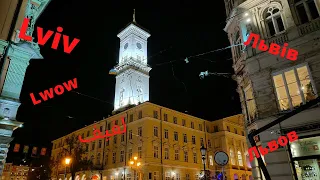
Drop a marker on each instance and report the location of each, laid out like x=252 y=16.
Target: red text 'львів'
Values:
x=97 y=134
x=274 y=48
x=58 y=90
x=42 y=39
x=273 y=145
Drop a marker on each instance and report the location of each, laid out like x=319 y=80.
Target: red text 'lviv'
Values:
x=42 y=39
x=274 y=48
x=273 y=145
x=58 y=90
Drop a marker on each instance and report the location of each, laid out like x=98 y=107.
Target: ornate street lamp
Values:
x=66 y=162
x=203 y=151
x=136 y=165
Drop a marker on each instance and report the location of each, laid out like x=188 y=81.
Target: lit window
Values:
x=293 y=87
x=306 y=10
x=240 y=159
x=156 y=152
x=211 y=160
x=233 y=162
x=273 y=21
x=166 y=153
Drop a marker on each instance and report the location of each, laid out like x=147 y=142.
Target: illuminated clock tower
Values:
x=132 y=80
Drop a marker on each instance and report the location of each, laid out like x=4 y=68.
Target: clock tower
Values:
x=132 y=80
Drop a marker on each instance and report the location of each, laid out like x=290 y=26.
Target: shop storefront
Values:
x=305 y=158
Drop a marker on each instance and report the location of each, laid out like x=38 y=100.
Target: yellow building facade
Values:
x=12 y=172
x=166 y=144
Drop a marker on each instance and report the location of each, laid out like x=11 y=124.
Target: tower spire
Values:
x=134 y=15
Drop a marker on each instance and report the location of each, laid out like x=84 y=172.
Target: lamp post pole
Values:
x=203 y=151
x=136 y=164
x=67 y=162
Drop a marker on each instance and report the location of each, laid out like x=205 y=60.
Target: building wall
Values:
x=255 y=70
x=151 y=118
x=12 y=172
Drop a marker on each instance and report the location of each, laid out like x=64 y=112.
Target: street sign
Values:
x=221 y=158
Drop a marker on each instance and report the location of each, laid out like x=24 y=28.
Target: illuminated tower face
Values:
x=132 y=80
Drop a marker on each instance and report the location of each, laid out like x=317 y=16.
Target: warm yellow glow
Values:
x=67 y=161
x=116 y=173
x=135 y=158
x=131 y=162
x=138 y=164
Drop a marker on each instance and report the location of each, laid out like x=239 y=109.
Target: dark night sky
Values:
x=180 y=28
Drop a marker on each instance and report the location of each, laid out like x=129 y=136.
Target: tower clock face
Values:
x=125 y=46
x=139 y=46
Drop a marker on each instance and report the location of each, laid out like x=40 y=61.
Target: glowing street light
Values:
x=248 y=20
x=246 y=14
x=116 y=173
x=138 y=164
x=135 y=158
x=66 y=162
x=131 y=162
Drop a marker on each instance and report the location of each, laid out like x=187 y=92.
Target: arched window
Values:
x=98 y=158
x=273 y=21
x=240 y=162
x=233 y=162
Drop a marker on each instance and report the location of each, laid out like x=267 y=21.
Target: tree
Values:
x=75 y=150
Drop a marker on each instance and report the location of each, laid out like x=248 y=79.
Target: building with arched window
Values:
x=271 y=86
